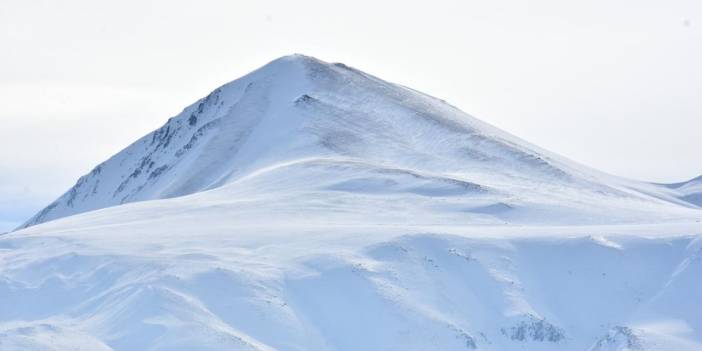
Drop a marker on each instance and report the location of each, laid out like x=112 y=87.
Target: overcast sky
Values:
x=616 y=85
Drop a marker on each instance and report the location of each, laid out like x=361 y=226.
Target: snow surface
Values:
x=299 y=112
x=690 y=191
x=310 y=206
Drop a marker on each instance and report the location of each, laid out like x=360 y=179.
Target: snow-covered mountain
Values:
x=357 y=132
x=311 y=206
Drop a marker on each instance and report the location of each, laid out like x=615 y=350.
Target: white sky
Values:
x=616 y=85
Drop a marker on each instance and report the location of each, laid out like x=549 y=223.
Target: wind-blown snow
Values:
x=690 y=191
x=298 y=109
x=310 y=206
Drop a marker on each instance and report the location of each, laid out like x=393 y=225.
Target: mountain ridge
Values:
x=299 y=107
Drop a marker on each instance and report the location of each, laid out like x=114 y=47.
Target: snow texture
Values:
x=311 y=206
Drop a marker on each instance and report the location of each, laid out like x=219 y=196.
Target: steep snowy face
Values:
x=191 y=151
x=306 y=114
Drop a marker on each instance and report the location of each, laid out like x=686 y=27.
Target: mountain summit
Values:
x=354 y=133
x=311 y=206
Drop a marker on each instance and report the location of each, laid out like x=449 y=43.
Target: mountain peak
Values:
x=291 y=63
x=298 y=111
x=297 y=57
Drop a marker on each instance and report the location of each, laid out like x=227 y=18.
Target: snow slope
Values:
x=310 y=206
x=202 y=273
x=690 y=191
x=297 y=109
